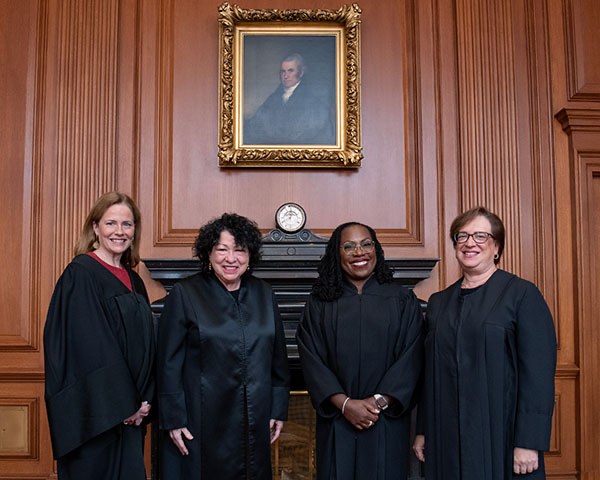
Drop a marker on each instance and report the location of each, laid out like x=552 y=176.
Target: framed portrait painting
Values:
x=289 y=88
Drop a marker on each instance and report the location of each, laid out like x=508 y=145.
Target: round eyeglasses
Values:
x=478 y=237
x=350 y=248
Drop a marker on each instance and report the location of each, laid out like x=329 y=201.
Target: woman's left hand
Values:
x=525 y=460
x=276 y=426
x=138 y=417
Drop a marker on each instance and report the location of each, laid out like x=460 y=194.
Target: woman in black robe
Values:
x=99 y=351
x=223 y=377
x=360 y=344
x=486 y=411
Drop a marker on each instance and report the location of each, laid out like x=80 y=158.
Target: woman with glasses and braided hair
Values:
x=360 y=344
x=490 y=357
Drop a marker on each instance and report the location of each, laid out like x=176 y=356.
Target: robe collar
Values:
x=350 y=288
x=218 y=286
x=98 y=269
x=484 y=299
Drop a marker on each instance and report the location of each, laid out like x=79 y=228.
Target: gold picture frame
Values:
x=320 y=51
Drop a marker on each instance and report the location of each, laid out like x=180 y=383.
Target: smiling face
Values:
x=476 y=258
x=229 y=261
x=115 y=232
x=290 y=73
x=357 y=263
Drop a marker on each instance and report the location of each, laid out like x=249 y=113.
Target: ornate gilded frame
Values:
x=233 y=23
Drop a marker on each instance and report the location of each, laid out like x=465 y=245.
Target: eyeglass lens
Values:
x=478 y=237
x=351 y=247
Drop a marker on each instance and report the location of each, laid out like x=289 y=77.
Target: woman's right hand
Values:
x=177 y=435
x=361 y=413
x=419 y=447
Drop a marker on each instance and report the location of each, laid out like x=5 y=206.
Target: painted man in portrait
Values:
x=294 y=114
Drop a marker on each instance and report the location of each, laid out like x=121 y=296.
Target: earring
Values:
x=96 y=245
x=496 y=257
x=209 y=266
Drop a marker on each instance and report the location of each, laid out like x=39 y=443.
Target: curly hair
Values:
x=329 y=285
x=244 y=231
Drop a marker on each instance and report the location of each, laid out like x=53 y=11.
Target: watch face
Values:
x=290 y=217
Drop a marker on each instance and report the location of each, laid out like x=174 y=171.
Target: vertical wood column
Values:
x=87 y=115
x=489 y=164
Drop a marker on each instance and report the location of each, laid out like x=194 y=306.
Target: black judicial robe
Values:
x=223 y=374
x=361 y=345
x=99 y=364
x=489 y=379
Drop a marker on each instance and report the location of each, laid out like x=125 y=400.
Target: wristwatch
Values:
x=381 y=402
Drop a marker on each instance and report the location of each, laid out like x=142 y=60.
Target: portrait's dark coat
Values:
x=99 y=364
x=360 y=345
x=306 y=118
x=489 y=379
x=222 y=374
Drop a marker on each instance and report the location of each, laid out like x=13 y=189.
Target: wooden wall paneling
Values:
x=87 y=113
x=448 y=153
x=541 y=152
x=19 y=44
x=490 y=170
x=26 y=34
x=129 y=72
x=582 y=36
x=24 y=448
x=561 y=460
x=583 y=129
x=189 y=187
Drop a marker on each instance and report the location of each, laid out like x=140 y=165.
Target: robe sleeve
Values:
x=402 y=378
x=89 y=387
x=536 y=350
x=321 y=382
x=172 y=332
x=280 y=375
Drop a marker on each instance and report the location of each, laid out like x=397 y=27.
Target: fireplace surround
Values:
x=289 y=264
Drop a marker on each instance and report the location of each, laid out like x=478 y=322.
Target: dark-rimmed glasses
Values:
x=478 y=237
x=350 y=248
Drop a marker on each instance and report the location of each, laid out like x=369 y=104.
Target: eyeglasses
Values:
x=350 y=247
x=478 y=237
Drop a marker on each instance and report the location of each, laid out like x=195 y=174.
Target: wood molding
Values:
x=580 y=19
x=167 y=234
x=87 y=116
x=541 y=152
x=28 y=338
x=488 y=120
x=588 y=312
x=30 y=449
x=579 y=119
x=555 y=439
x=22 y=377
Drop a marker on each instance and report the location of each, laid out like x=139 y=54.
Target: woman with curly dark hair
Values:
x=360 y=344
x=222 y=364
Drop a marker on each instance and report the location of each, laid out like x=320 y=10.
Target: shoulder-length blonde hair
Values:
x=86 y=240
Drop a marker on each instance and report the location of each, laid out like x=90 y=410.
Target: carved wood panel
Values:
x=582 y=35
x=87 y=115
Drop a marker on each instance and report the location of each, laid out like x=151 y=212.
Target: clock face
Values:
x=290 y=217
